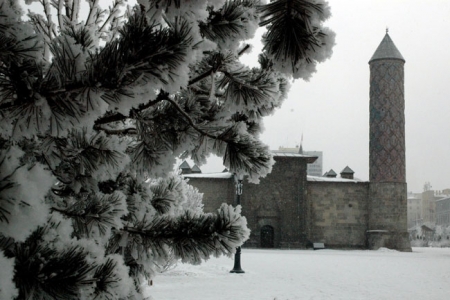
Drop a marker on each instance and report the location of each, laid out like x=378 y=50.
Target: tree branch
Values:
x=59 y=13
x=111 y=14
x=243 y=50
x=214 y=68
x=130 y=131
x=200 y=77
x=161 y=97
x=48 y=15
x=120 y=117
x=205 y=93
x=66 y=213
x=190 y=121
x=109 y=119
x=91 y=10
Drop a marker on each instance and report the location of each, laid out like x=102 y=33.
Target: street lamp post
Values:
x=237 y=256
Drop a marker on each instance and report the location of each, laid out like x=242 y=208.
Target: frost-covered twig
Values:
x=201 y=76
x=217 y=65
x=59 y=14
x=75 y=10
x=68 y=213
x=48 y=15
x=190 y=121
x=242 y=51
x=125 y=131
x=92 y=10
x=112 y=13
x=120 y=117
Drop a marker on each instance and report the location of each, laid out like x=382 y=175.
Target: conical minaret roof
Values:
x=386 y=50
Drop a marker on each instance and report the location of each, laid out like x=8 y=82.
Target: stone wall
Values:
x=278 y=201
x=215 y=191
x=388 y=216
x=338 y=213
x=286 y=211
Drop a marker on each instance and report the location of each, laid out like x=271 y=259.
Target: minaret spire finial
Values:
x=387 y=29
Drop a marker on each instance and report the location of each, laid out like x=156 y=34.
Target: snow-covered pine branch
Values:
x=96 y=105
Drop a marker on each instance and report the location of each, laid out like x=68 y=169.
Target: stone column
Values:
x=387 y=222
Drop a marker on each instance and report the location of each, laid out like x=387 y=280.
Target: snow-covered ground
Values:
x=308 y=274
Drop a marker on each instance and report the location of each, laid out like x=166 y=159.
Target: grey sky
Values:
x=332 y=109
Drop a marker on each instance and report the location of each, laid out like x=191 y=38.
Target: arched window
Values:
x=267 y=236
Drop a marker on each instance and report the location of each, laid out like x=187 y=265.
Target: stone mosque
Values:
x=291 y=210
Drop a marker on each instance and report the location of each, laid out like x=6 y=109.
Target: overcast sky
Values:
x=332 y=109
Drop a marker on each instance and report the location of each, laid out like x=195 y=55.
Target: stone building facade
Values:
x=427 y=209
x=414 y=211
x=289 y=209
x=443 y=212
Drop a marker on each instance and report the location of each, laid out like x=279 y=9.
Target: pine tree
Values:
x=95 y=109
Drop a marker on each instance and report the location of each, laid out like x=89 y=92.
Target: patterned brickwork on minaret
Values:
x=387 y=226
x=387 y=121
x=387 y=117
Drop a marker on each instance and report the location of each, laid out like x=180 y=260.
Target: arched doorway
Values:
x=267 y=236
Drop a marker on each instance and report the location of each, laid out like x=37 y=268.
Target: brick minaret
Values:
x=388 y=193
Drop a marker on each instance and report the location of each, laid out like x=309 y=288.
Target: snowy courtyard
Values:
x=308 y=274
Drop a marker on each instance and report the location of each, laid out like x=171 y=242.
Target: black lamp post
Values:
x=237 y=256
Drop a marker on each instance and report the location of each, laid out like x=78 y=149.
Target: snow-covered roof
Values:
x=443 y=199
x=386 y=50
x=332 y=179
x=309 y=158
x=223 y=175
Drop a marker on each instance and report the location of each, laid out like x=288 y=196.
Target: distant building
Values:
x=429 y=208
x=428 y=205
x=315 y=169
x=443 y=212
x=414 y=210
